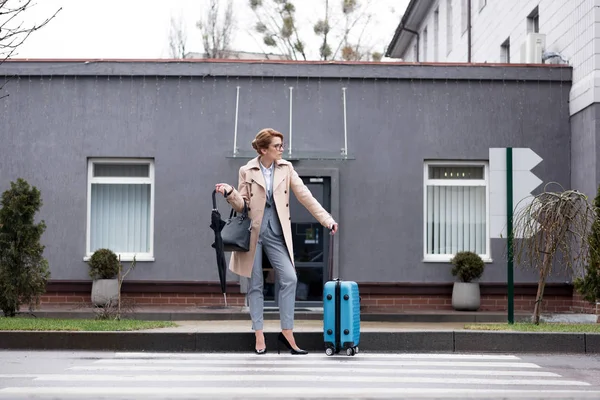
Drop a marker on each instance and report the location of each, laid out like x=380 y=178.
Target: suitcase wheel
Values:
x=350 y=351
x=329 y=351
x=356 y=350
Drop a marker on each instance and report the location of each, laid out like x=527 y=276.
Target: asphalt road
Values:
x=109 y=375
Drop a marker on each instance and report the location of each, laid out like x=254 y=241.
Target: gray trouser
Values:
x=276 y=251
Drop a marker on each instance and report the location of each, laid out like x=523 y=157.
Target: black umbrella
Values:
x=217 y=224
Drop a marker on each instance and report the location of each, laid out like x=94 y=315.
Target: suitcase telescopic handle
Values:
x=330 y=257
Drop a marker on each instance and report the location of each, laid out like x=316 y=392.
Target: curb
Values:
x=211 y=342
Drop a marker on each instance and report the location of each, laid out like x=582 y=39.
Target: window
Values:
x=436 y=34
x=456 y=204
x=425 y=44
x=449 y=26
x=533 y=21
x=120 y=213
x=505 y=52
x=464 y=15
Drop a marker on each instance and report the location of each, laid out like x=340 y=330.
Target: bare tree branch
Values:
x=279 y=28
x=228 y=25
x=271 y=29
x=353 y=52
x=554 y=228
x=299 y=45
x=14 y=33
x=217 y=30
x=177 y=39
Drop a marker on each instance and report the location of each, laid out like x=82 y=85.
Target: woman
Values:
x=264 y=184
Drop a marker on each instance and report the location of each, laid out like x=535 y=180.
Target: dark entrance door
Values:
x=311 y=247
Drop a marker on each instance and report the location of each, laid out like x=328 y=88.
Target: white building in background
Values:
x=519 y=32
x=506 y=31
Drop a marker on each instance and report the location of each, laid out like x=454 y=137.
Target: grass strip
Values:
x=542 y=327
x=52 y=324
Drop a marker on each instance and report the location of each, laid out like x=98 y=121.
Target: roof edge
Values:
x=324 y=70
x=400 y=27
x=410 y=22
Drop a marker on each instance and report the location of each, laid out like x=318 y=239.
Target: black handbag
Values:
x=236 y=232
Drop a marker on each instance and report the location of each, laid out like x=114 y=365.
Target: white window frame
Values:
x=456 y=182
x=149 y=256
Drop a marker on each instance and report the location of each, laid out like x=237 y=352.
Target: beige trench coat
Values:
x=252 y=189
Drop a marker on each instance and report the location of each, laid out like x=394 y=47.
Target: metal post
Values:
x=345 y=125
x=237 y=107
x=290 y=145
x=509 y=233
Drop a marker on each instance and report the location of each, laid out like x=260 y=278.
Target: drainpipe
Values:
x=469 y=30
x=417 y=34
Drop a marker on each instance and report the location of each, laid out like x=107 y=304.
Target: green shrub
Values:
x=104 y=264
x=589 y=285
x=468 y=266
x=23 y=269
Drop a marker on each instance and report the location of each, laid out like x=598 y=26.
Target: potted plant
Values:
x=104 y=268
x=468 y=266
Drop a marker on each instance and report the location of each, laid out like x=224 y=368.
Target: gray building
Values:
x=126 y=155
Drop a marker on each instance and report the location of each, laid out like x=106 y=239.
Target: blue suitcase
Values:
x=341 y=317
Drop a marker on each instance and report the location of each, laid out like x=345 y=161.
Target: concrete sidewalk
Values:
x=197 y=313
x=229 y=330
x=225 y=326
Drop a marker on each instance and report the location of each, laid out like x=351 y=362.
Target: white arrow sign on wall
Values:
x=524 y=182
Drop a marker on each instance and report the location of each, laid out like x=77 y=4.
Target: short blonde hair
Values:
x=263 y=139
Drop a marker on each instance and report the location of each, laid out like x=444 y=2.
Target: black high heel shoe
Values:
x=261 y=351
x=287 y=344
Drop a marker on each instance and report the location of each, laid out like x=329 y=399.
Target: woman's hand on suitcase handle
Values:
x=333 y=228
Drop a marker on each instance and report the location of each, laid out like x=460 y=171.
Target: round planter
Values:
x=466 y=296
x=104 y=291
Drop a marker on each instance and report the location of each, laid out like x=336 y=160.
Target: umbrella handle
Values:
x=214 y=200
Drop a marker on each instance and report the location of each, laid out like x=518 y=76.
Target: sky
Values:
x=139 y=29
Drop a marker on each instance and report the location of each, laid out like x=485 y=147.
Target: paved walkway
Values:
x=305 y=326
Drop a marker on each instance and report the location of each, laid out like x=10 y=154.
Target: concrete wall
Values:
x=182 y=114
x=585 y=172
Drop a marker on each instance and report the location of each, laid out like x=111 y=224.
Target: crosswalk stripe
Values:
x=320 y=355
x=302 y=391
x=299 y=360
x=335 y=370
x=212 y=375
x=279 y=378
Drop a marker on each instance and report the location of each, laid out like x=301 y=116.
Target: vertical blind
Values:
x=456 y=215
x=120 y=213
